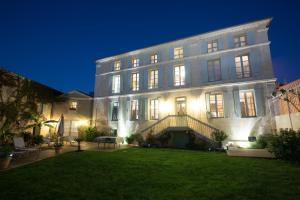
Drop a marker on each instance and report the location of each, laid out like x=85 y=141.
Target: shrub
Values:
x=218 y=137
x=91 y=133
x=164 y=138
x=286 y=145
x=263 y=141
x=150 y=139
x=37 y=139
x=135 y=138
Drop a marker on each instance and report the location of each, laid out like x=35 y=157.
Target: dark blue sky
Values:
x=57 y=42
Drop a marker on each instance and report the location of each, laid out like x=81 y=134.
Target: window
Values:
x=179 y=75
x=153 y=79
x=242 y=66
x=115 y=109
x=216 y=105
x=240 y=41
x=154 y=109
x=154 y=58
x=135 y=81
x=212 y=46
x=214 y=70
x=117 y=65
x=73 y=105
x=116 y=84
x=135 y=62
x=178 y=52
x=247 y=104
x=134 y=110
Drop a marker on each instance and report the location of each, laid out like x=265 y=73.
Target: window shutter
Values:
x=160 y=77
x=259 y=102
x=227 y=104
x=110 y=85
x=128 y=111
x=145 y=79
x=236 y=99
x=207 y=102
x=188 y=73
x=170 y=76
x=220 y=43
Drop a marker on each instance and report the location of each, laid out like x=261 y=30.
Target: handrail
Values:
x=186 y=121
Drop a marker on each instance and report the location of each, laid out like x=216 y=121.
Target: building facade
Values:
x=220 y=79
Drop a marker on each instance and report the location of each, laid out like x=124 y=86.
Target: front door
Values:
x=181 y=106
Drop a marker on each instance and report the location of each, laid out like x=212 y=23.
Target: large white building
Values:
x=220 y=79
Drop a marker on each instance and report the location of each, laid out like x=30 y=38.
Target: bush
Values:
x=164 y=138
x=91 y=133
x=37 y=139
x=218 y=137
x=135 y=138
x=286 y=145
x=263 y=141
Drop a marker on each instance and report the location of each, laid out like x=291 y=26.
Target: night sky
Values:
x=57 y=42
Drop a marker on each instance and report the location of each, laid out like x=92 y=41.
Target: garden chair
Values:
x=20 y=147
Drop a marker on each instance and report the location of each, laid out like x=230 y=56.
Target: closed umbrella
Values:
x=60 y=127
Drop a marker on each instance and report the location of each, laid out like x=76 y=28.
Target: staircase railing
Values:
x=173 y=121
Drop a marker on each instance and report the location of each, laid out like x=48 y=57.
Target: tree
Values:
x=37 y=122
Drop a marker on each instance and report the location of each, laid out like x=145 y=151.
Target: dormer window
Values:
x=117 y=65
x=153 y=58
x=135 y=62
x=178 y=52
x=73 y=105
x=240 y=41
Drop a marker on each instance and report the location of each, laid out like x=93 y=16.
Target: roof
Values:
x=252 y=24
x=292 y=84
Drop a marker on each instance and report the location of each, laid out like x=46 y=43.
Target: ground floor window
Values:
x=154 y=109
x=115 y=109
x=247 y=104
x=134 y=114
x=216 y=105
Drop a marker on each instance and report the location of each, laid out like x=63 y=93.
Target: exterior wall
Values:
x=196 y=81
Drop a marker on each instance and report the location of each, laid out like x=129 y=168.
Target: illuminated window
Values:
x=240 y=41
x=116 y=84
x=214 y=70
x=73 y=105
x=117 y=65
x=135 y=62
x=153 y=79
x=216 y=105
x=154 y=109
x=247 y=104
x=179 y=75
x=135 y=81
x=115 y=110
x=134 y=110
x=154 y=58
x=212 y=46
x=242 y=66
x=178 y=52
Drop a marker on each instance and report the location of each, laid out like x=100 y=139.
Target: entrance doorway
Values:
x=181 y=106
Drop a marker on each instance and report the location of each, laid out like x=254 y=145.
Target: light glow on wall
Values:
x=165 y=107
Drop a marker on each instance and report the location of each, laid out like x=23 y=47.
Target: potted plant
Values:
x=78 y=140
x=37 y=140
x=218 y=137
x=5 y=156
x=58 y=147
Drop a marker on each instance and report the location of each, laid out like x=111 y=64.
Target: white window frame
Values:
x=153 y=79
x=178 y=52
x=153 y=58
x=243 y=95
x=179 y=75
x=242 y=69
x=135 y=82
x=213 y=99
x=116 y=81
x=134 y=109
x=240 y=40
x=212 y=46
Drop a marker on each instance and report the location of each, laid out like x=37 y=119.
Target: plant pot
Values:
x=5 y=162
x=58 y=150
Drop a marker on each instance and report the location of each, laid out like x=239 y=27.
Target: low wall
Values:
x=284 y=121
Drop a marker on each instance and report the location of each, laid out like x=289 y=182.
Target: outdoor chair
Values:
x=21 y=150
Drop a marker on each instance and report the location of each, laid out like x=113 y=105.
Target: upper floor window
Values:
x=247 y=104
x=134 y=110
x=135 y=62
x=212 y=46
x=216 y=105
x=240 y=41
x=116 y=84
x=73 y=105
x=178 y=52
x=154 y=109
x=117 y=65
x=214 y=70
x=179 y=75
x=153 y=79
x=135 y=81
x=154 y=58
x=242 y=66
x=115 y=110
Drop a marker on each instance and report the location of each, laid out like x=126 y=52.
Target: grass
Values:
x=152 y=174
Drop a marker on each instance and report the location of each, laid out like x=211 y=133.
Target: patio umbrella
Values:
x=60 y=130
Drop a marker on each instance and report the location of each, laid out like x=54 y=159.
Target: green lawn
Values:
x=152 y=174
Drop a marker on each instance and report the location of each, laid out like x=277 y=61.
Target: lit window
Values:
x=212 y=46
x=135 y=81
x=134 y=110
x=153 y=79
x=178 y=52
x=73 y=105
x=247 y=104
x=117 y=65
x=154 y=58
x=214 y=70
x=154 y=109
x=115 y=109
x=216 y=105
x=116 y=84
x=240 y=41
x=242 y=66
x=179 y=75
x=135 y=62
